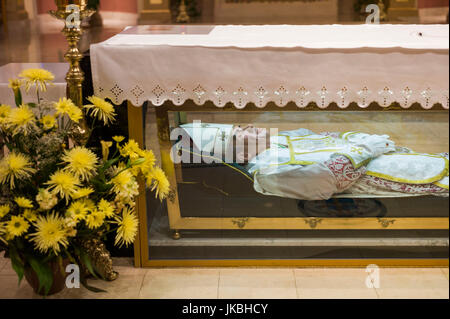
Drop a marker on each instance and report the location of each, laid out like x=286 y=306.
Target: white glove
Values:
x=375 y=144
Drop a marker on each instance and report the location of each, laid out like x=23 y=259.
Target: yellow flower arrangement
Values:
x=15 y=166
x=55 y=192
x=101 y=109
x=38 y=77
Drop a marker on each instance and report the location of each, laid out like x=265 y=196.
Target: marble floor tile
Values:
x=257 y=284
x=7 y=269
x=413 y=283
x=333 y=283
x=10 y=289
x=3 y=260
x=180 y=283
x=191 y=283
x=125 y=267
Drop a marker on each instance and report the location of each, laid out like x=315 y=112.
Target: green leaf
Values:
x=16 y=263
x=61 y=268
x=18 y=97
x=87 y=262
x=44 y=274
x=90 y=288
x=32 y=105
x=108 y=164
x=139 y=161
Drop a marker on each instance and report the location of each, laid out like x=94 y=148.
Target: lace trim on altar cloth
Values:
x=281 y=96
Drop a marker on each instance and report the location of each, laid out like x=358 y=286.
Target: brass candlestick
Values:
x=72 y=12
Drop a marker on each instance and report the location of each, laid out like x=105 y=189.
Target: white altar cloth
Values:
x=281 y=64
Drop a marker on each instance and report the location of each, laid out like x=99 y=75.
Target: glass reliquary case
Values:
x=296 y=187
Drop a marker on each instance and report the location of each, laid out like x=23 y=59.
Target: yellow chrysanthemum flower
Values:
x=4 y=210
x=50 y=234
x=101 y=109
x=63 y=183
x=82 y=192
x=78 y=210
x=38 y=77
x=149 y=164
x=23 y=202
x=17 y=226
x=30 y=215
x=66 y=106
x=15 y=166
x=21 y=119
x=5 y=110
x=95 y=219
x=122 y=180
x=75 y=114
x=81 y=162
x=89 y=204
x=15 y=84
x=128 y=227
x=48 y=121
x=132 y=150
x=160 y=183
x=106 y=208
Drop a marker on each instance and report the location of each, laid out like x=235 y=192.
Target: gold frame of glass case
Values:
x=178 y=223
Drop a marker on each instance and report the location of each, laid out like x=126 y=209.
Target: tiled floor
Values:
x=247 y=283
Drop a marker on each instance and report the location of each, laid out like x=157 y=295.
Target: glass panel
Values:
x=223 y=214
